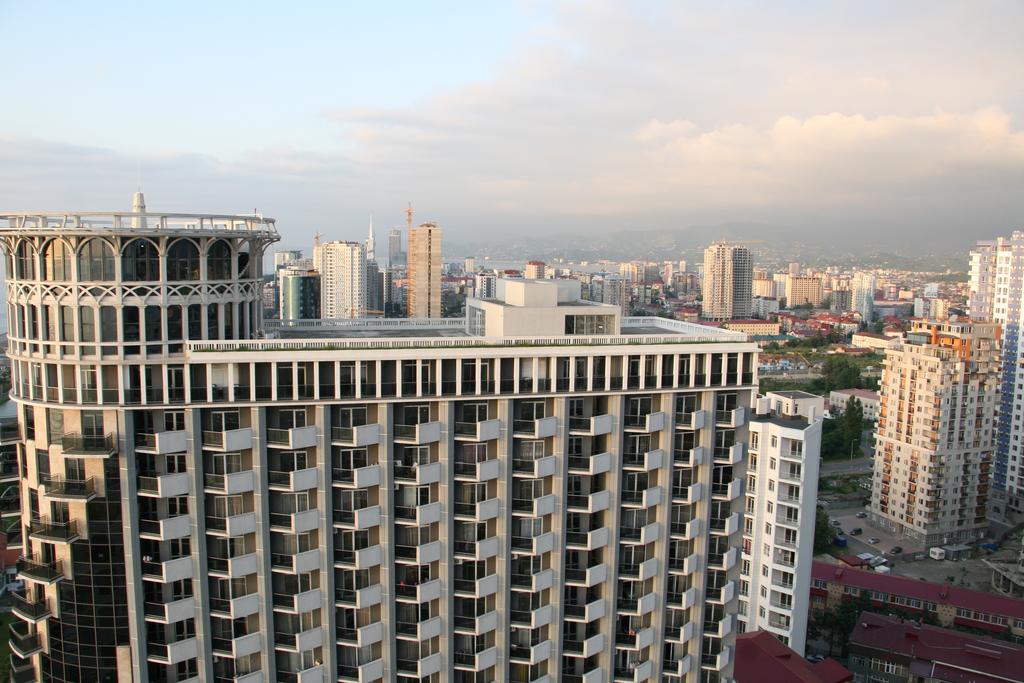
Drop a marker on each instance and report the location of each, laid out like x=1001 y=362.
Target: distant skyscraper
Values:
x=342 y=267
x=803 y=290
x=300 y=293
x=728 y=274
x=395 y=255
x=423 y=296
x=282 y=258
x=794 y=269
x=374 y=289
x=933 y=455
x=469 y=265
x=534 y=270
x=371 y=244
x=996 y=294
x=862 y=287
x=842 y=300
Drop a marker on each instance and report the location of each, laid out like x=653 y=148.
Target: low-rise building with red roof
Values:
x=762 y=658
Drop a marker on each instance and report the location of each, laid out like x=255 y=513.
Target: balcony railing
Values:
x=87 y=444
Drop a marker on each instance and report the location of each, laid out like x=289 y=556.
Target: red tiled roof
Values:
x=960 y=656
x=762 y=658
x=859 y=393
x=926 y=591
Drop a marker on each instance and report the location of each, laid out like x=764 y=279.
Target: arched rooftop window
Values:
x=25 y=260
x=141 y=261
x=183 y=260
x=96 y=261
x=57 y=260
x=218 y=261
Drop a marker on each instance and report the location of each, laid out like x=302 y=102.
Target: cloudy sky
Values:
x=887 y=123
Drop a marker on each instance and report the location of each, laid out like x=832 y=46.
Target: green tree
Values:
x=852 y=423
x=824 y=533
x=840 y=372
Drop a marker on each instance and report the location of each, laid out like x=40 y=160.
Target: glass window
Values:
x=26 y=261
x=57 y=261
x=96 y=261
x=218 y=261
x=87 y=323
x=108 y=324
x=141 y=262
x=183 y=260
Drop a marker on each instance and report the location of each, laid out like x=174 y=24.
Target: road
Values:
x=846 y=466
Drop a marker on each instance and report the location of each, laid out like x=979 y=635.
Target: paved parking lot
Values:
x=859 y=544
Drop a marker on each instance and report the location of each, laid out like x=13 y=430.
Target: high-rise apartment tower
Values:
x=728 y=278
x=423 y=295
x=342 y=268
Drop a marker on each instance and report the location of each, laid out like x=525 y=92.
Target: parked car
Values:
x=896 y=550
x=856 y=532
x=861 y=514
x=814 y=659
x=836 y=523
x=872 y=540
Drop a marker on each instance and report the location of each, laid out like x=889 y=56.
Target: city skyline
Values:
x=809 y=123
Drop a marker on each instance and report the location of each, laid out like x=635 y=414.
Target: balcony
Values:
x=170 y=612
x=635 y=673
x=534 y=507
x=679 y=634
x=370 y=671
x=420 y=668
x=480 y=511
x=530 y=654
x=646 y=462
x=236 y=608
x=688 y=494
x=686 y=530
x=88 y=445
x=589 y=502
x=360 y=598
x=167 y=571
x=685 y=565
x=161 y=443
x=537 y=468
x=587 y=613
x=70 y=490
x=361 y=519
x=359 y=436
x=233 y=483
x=477 y=588
x=236 y=648
x=484 y=430
x=589 y=577
x=54 y=532
x=691 y=457
x=418 y=434
x=23 y=671
x=724 y=561
x=683 y=667
x=691 y=420
x=363 y=558
x=536 y=545
x=234 y=567
x=419 y=554
x=168 y=485
x=173 y=653
x=228 y=440
x=24 y=641
x=729 y=455
x=418 y=593
x=727 y=526
x=297 y=603
x=648 y=533
x=419 y=474
x=420 y=630
x=33 y=611
x=301 y=641
x=599 y=463
x=476 y=661
x=716 y=662
x=293 y=481
x=476 y=625
x=542 y=580
x=720 y=629
x=477 y=550
x=584 y=648
x=485 y=470
x=647 y=498
x=648 y=424
x=730 y=491
x=232 y=526
x=294 y=437
x=540 y=428
x=733 y=418
x=722 y=595
x=645 y=604
x=167 y=529
x=314 y=674
x=534 y=618
x=597 y=425
x=356 y=478
x=31 y=569
x=297 y=522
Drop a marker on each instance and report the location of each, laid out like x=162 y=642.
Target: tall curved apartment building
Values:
x=543 y=491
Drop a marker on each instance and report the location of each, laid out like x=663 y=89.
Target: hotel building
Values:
x=543 y=491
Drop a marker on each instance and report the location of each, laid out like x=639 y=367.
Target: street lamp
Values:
x=853 y=442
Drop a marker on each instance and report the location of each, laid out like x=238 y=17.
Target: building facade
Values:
x=935 y=437
x=779 y=516
x=996 y=291
x=423 y=293
x=727 y=283
x=397 y=501
x=862 y=295
x=802 y=291
x=342 y=268
x=300 y=293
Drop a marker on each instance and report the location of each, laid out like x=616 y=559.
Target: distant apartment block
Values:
x=753 y=327
x=423 y=293
x=726 y=287
x=869 y=401
x=802 y=291
x=342 y=268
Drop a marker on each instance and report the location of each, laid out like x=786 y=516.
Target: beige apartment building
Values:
x=727 y=285
x=423 y=291
x=342 y=268
x=801 y=291
x=543 y=491
x=936 y=432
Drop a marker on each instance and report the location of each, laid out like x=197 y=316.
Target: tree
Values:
x=824 y=534
x=852 y=422
x=840 y=372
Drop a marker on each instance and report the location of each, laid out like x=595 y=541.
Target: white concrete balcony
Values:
x=534 y=618
x=644 y=462
x=721 y=596
x=535 y=429
x=477 y=588
x=680 y=634
x=360 y=598
x=294 y=481
x=169 y=485
x=719 y=661
x=421 y=475
x=648 y=533
x=648 y=424
x=595 y=675
x=648 y=569
x=686 y=530
x=478 y=550
x=232 y=526
x=589 y=502
x=418 y=434
x=359 y=436
x=170 y=612
x=370 y=634
x=692 y=457
x=535 y=469
x=726 y=561
x=478 y=662
x=419 y=630
x=536 y=545
x=688 y=599
x=723 y=627
x=296 y=563
x=234 y=567
x=364 y=558
x=480 y=511
x=737 y=417
x=589 y=577
x=236 y=608
x=161 y=443
x=293 y=437
x=173 y=653
x=314 y=674
x=419 y=554
x=420 y=668
x=643 y=671
x=535 y=507
x=726 y=527
x=531 y=654
x=165 y=529
x=295 y=522
x=233 y=483
x=597 y=425
x=692 y=420
x=599 y=463
x=361 y=519
x=420 y=515
x=688 y=565
x=731 y=455
x=730 y=491
x=539 y=581
x=477 y=625
x=688 y=494
x=300 y=642
x=420 y=593
x=236 y=648
x=647 y=498
x=484 y=430
x=371 y=671
x=587 y=613
x=297 y=603
x=588 y=540
x=357 y=478
x=684 y=666
x=228 y=440
x=478 y=471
